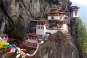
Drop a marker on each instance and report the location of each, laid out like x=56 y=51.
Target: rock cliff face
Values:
x=59 y=45
x=26 y=10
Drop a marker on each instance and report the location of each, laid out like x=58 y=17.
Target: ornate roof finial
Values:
x=55 y=8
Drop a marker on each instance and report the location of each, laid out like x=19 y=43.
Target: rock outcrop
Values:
x=59 y=45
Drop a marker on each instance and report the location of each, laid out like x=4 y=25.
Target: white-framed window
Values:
x=49 y=17
x=56 y=17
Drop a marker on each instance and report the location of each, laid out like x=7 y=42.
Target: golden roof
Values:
x=55 y=8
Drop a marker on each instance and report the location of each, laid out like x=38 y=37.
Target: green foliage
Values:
x=82 y=35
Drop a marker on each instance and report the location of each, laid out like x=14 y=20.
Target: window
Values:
x=49 y=17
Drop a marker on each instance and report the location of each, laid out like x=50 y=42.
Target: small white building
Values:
x=32 y=40
x=75 y=12
x=56 y=14
x=4 y=37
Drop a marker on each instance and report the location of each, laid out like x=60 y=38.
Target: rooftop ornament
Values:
x=55 y=8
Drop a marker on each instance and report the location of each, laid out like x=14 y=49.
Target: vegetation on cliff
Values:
x=81 y=36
